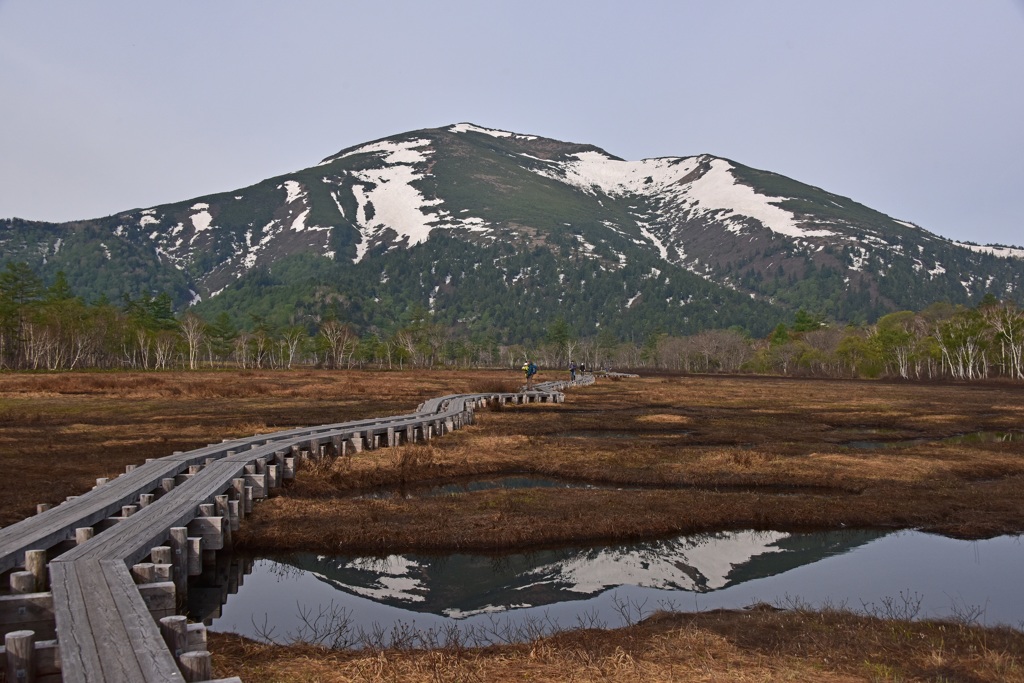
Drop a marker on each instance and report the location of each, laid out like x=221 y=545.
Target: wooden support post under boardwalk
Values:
x=224 y=512
x=233 y=515
x=210 y=529
x=279 y=457
x=258 y=483
x=179 y=558
x=42 y=507
x=174 y=630
x=21 y=656
x=196 y=666
x=161 y=554
x=195 y=557
x=83 y=534
x=23 y=582
x=143 y=572
x=159 y=598
x=238 y=491
x=35 y=562
x=163 y=573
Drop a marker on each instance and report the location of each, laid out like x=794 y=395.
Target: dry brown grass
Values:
x=694 y=454
x=754 y=645
x=59 y=432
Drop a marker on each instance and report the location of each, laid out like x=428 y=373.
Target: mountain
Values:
x=501 y=233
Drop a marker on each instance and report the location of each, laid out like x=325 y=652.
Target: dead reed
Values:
x=761 y=644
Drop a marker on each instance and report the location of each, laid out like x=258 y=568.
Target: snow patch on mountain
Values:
x=470 y=128
x=715 y=192
x=294 y=190
x=593 y=170
x=394 y=152
x=1005 y=252
x=148 y=217
x=719 y=191
x=397 y=204
x=650 y=236
x=201 y=220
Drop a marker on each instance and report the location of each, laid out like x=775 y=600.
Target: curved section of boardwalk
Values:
x=171 y=510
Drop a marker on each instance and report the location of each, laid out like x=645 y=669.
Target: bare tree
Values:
x=292 y=338
x=1007 y=323
x=340 y=341
x=193 y=331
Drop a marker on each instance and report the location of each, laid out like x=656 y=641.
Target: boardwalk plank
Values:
x=80 y=659
x=143 y=648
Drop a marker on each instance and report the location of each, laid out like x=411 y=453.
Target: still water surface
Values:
x=566 y=587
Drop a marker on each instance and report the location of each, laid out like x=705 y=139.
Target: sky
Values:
x=912 y=107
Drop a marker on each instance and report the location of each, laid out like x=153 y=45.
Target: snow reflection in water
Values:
x=567 y=587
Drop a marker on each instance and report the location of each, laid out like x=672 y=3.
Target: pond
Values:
x=497 y=598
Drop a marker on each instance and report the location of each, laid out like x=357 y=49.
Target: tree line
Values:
x=49 y=328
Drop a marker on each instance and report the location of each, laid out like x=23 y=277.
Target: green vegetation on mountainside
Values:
x=499 y=291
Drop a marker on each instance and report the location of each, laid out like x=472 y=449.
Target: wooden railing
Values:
x=97 y=580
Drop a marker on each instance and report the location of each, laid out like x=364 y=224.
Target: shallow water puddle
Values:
x=610 y=585
x=483 y=484
x=604 y=434
x=970 y=438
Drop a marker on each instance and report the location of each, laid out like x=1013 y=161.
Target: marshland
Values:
x=634 y=459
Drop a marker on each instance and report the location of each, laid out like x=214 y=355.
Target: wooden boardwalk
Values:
x=119 y=556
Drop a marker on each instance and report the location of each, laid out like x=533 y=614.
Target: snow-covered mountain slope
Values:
x=648 y=226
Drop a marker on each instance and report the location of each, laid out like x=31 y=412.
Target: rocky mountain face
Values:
x=502 y=232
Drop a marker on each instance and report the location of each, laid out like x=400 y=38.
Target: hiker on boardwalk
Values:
x=572 y=370
x=530 y=369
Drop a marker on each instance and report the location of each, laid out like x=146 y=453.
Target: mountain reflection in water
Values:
x=728 y=569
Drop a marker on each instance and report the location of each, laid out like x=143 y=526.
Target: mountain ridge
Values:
x=605 y=221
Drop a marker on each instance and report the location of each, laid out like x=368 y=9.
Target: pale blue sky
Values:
x=913 y=107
